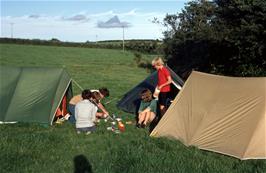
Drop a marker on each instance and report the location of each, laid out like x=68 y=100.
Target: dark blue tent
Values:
x=131 y=100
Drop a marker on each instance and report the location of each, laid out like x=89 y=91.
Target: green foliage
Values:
x=34 y=148
x=222 y=37
x=151 y=47
x=143 y=63
x=144 y=46
x=137 y=58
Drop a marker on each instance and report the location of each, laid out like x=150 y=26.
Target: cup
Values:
x=156 y=93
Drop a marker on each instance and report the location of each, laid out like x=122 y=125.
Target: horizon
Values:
x=83 y=21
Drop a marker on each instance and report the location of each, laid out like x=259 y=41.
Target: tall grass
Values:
x=34 y=148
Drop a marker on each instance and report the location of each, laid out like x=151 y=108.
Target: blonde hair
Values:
x=157 y=61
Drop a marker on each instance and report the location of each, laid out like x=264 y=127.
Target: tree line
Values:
x=143 y=46
x=221 y=37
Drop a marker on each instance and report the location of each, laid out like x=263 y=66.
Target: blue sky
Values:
x=85 y=20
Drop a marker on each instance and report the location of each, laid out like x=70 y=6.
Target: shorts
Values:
x=86 y=129
x=163 y=98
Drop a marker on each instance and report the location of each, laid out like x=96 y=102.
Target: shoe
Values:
x=87 y=133
x=67 y=116
x=143 y=126
x=59 y=121
x=78 y=132
x=138 y=125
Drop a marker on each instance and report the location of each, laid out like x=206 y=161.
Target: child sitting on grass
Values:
x=147 y=109
x=102 y=92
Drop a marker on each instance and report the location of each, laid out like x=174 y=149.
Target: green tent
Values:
x=32 y=94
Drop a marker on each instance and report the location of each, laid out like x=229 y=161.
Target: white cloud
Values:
x=78 y=17
x=113 y=22
x=35 y=16
x=83 y=26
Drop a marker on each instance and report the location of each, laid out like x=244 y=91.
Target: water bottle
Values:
x=121 y=126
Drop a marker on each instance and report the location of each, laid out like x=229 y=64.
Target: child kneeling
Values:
x=85 y=113
x=147 y=109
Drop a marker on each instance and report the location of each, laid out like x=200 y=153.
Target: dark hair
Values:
x=86 y=94
x=146 y=95
x=104 y=91
x=95 y=97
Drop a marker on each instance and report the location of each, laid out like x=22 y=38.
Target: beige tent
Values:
x=221 y=114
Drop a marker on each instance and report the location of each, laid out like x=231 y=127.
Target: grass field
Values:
x=28 y=148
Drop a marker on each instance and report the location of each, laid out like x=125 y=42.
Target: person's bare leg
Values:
x=152 y=116
x=162 y=110
x=141 y=117
x=147 y=117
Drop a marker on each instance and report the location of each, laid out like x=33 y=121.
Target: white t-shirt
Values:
x=85 y=114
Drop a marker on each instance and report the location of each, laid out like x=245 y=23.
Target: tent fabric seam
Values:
x=18 y=80
x=256 y=126
x=216 y=101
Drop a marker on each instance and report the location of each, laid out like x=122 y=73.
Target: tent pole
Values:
x=77 y=85
x=176 y=85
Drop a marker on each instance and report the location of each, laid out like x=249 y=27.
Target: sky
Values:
x=85 y=20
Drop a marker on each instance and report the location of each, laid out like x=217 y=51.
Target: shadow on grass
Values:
x=82 y=165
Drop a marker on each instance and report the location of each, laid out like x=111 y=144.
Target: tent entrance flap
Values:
x=63 y=103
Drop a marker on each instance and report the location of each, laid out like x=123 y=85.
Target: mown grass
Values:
x=35 y=148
